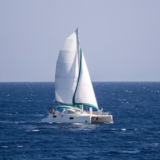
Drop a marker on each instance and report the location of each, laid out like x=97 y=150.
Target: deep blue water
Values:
x=135 y=133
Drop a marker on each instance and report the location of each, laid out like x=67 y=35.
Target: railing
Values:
x=98 y=113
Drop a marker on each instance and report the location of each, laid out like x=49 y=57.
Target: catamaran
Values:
x=74 y=92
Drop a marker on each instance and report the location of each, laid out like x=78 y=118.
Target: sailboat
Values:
x=74 y=92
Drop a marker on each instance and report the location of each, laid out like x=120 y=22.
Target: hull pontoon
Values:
x=78 y=116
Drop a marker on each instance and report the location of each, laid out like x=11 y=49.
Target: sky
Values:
x=120 y=38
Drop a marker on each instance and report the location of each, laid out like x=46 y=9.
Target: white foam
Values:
x=123 y=129
x=19 y=146
x=130 y=152
x=35 y=130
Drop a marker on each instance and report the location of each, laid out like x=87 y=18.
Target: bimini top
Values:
x=73 y=85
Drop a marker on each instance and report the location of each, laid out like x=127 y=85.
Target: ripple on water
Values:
x=135 y=133
x=19 y=146
x=123 y=129
x=34 y=130
x=130 y=152
x=4 y=146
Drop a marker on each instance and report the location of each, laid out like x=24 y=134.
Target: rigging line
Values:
x=79 y=63
x=78 y=76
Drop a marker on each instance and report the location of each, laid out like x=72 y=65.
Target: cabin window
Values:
x=71 y=117
x=70 y=112
x=54 y=116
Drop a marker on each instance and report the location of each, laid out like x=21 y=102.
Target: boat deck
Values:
x=97 y=113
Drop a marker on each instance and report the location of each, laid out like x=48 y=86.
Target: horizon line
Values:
x=54 y=81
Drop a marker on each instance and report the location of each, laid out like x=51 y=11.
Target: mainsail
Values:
x=73 y=85
x=67 y=71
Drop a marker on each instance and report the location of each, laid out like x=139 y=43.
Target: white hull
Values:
x=78 y=118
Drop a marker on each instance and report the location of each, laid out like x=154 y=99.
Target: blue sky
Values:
x=120 y=39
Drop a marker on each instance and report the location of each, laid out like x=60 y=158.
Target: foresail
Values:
x=67 y=71
x=84 y=93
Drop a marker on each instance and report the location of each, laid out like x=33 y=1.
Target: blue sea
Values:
x=134 y=135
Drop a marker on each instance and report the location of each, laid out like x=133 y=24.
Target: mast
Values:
x=78 y=44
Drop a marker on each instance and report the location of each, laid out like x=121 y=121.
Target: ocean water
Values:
x=135 y=134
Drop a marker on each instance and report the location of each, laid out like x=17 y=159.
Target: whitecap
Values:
x=123 y=129
x=130 y=152
x=19 y=146
x=35 y=130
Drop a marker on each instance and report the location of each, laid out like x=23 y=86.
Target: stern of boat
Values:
x=102 y=119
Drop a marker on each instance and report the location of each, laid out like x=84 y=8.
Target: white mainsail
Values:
x=73 y=85
x=67 y=71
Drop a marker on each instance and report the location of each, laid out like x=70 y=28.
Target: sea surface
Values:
x=135 y=134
